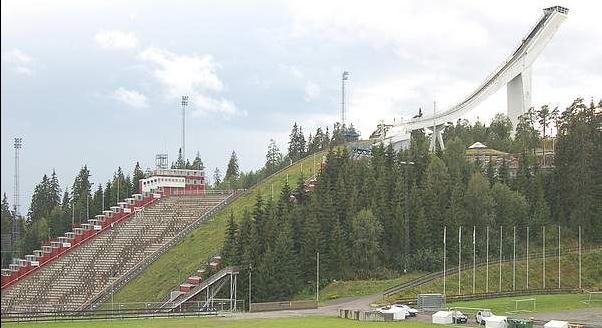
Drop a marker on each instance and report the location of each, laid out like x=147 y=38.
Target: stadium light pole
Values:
x=184 y=104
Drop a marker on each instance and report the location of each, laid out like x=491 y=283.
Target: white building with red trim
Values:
x=173 y=181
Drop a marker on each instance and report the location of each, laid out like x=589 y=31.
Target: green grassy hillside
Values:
x=166 y=273
x=569 y=278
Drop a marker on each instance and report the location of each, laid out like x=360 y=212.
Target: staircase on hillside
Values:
x=72 y=280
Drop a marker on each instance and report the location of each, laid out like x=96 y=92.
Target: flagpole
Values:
x=474 y=258
x=444 y=247
x=527 y=257
x=487 y=264
x=459 y=259
x=501 y=246
x=514 y=258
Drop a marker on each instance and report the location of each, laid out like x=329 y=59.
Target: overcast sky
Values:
x=98 y=82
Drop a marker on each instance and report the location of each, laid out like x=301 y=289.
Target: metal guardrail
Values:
x=199 y=288
x=479 y=296
x=138 y=268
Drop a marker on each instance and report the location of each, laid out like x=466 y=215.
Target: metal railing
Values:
x=138 y=268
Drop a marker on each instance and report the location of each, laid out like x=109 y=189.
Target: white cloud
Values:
x=116 y=40
x=20 y=62
x=131 y=98
x=192 y=75
x=183 y=74
x=312 y=90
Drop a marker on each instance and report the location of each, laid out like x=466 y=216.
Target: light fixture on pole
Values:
x=184 y=104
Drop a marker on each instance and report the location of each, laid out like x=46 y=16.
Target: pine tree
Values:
x=180 y=162
x=217 y=177
x=137 y=175
x=197 y=163
x=230 y=250
x=273 y=158
x=232 y=172
x=366 y=248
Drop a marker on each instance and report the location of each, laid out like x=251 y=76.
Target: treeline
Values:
x=275 y=160
x=381 y=215
x=52 y=212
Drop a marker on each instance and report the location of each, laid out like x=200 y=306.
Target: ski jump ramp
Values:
x=515 y=72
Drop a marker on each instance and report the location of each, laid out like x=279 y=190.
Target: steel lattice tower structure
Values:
x=343 y=105
x=16 y=206
x=184 y=104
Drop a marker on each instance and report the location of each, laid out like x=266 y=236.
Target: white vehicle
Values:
x=411 y=311
x=481 y=315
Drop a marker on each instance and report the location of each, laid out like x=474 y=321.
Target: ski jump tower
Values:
x=514 y=72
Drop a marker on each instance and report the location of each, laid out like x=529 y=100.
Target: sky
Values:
x=99 y=82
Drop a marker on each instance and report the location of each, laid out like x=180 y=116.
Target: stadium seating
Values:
x=71 y=280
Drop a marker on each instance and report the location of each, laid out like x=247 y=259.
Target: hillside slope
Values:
x=569 y=278
x=167 y=272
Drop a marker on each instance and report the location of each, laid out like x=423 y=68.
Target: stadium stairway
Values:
x=74 y=279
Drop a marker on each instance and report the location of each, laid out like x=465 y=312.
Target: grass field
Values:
x=306 y=322
x=339 y=289
x=166 y=273
x=591 y=276
x=544 y=303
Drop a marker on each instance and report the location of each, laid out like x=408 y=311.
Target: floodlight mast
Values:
x=184 y=104
x=344 y=78
x=18 y=143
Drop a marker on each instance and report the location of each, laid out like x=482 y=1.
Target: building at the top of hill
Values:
x=171 y=181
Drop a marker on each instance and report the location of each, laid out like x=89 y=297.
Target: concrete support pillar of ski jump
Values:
x=519 y=96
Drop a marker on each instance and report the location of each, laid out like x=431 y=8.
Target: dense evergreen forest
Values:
x=53 y=211
x=383 y=214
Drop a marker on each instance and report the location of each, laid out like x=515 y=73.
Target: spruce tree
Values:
x=230 y=250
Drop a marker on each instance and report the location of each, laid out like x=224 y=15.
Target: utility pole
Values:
x=250 y=287
x=317 y=278
x=184 y=104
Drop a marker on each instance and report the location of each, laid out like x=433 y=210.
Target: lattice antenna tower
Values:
x=344 y=78
x=184 y=104
x=16 y=204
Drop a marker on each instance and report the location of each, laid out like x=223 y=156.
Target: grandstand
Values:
x=72 y=280
x=76 y=270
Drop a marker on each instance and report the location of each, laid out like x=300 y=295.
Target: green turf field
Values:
x=544 y=303
x=308 y=322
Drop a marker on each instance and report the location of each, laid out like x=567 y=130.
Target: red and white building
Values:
x=174 y=181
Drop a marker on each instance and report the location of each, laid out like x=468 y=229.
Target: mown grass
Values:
x=167 y=272
x=543 y=303
x=350 y=288
x=569 y=276
x=302 y=322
